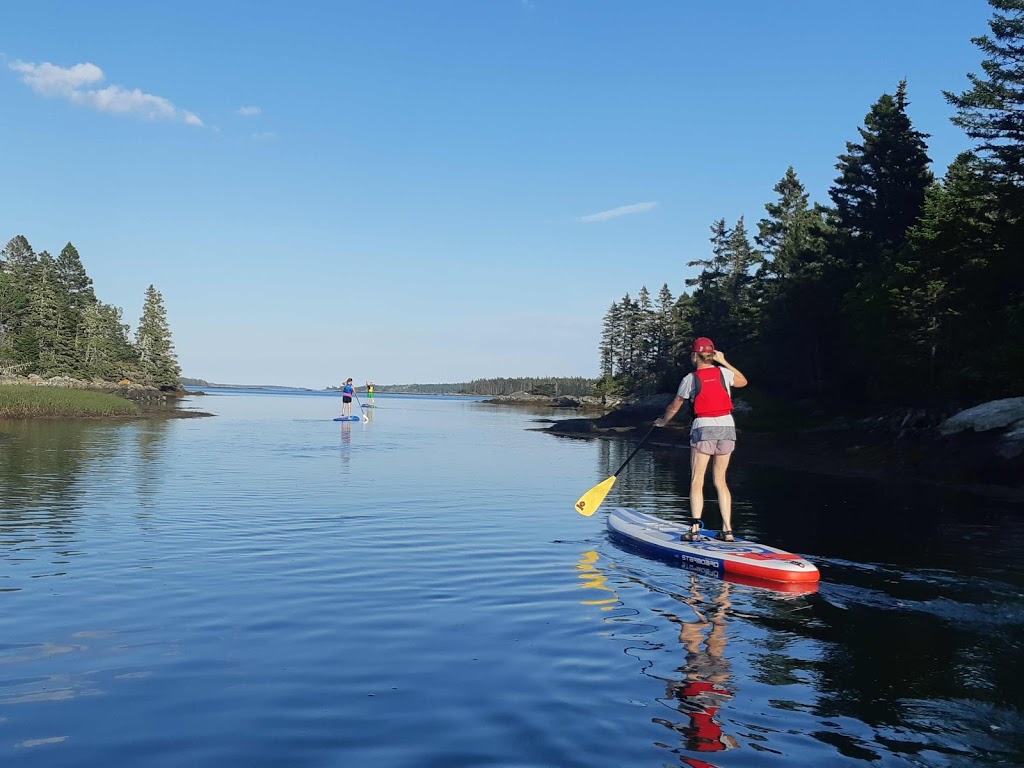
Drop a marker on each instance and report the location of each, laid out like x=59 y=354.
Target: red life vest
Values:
x=711 y=396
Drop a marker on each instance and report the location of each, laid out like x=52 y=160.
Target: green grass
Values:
x=21 y=401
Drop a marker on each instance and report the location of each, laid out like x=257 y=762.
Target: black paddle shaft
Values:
x=631 y=455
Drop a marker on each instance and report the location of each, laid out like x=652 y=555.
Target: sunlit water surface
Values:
x=271 y=588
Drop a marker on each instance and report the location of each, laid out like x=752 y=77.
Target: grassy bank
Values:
x=17 y=402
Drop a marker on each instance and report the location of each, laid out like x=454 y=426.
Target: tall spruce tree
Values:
x=610 y=340
x=44 y=341
x=879 y=195
x=992 y=111
x=880 y=190
x=157 y=358
x=107 y=351
x=784 y=234
x=744 y=288
x=942 y=292
x=709 y=305
x=17 y=263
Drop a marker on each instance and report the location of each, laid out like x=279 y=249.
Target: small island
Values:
x=65 y=353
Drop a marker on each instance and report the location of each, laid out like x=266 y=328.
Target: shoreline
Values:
x=66 y=398
x=968 y=463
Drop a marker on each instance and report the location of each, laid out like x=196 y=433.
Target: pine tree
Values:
x=784 y=234
x=17 y=265
x=709 y=306
x=44 y=341
x=157 y=358
x=880 y=190
x=19 y=256
x=992 y=111
x=610 y=334
x=743 y=288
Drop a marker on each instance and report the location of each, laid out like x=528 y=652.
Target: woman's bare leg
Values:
x=698 y=466
x=724 y=494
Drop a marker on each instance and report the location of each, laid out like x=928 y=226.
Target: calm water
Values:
x=271 y=588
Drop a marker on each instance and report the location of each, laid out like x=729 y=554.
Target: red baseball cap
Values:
x=703 y=344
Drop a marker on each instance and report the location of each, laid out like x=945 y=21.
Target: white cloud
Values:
x=248 y=111
x=51 y=80
x=70 y=83
x=614 y=213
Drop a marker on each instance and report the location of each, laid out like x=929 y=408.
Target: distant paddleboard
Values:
x=740 y=560
x=348 y=418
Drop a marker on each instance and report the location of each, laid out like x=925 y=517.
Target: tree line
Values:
x=552 y=386
x=53 y=324
x=903 y=289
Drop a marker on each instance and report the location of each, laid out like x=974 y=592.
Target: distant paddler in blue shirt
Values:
x=369 y=394
x=347 y=393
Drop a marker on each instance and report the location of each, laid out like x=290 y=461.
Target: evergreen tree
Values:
x=629 y=342
x=44 y=342
x=664 y=325
x=743 y=288
x=709 y=307
x=784 y=234
x=19 y=256
x=879 y=196
x=880 y=190
x=157 y=358
x=17 y=264
x=610 y=339
x=992 y=111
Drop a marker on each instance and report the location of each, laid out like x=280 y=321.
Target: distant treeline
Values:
x=553 y=386
x=905 y=289
x=52 y=323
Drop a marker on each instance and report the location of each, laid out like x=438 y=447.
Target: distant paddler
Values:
x=369 y=394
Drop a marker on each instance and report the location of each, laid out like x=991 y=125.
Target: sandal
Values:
x=725 y=535
x=694 y=533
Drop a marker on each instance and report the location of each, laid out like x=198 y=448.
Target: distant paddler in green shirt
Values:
x=369 y=394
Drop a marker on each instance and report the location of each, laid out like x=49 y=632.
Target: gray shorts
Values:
x=714 y=447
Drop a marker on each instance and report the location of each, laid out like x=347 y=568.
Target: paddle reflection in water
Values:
x=592 y=578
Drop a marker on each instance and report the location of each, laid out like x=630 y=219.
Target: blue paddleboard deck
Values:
x=740 y=560
x=348 y=418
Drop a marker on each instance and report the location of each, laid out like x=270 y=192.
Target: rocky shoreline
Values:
x=980 y=449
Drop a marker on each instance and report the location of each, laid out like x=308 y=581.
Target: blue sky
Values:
x=432 y=191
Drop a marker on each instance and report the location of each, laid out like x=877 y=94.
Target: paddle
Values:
x=591 y=500
x=361 y=411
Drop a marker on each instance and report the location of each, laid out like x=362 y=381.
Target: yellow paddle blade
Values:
x=591 y=500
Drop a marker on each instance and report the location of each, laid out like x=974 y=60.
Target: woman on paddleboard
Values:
x=347 y=391
x=713 y=431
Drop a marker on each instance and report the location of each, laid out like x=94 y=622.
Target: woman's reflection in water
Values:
x=704 y=686
x=346 y=442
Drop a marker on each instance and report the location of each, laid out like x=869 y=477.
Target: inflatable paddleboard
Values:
x=740 y=560
x=348 y=418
